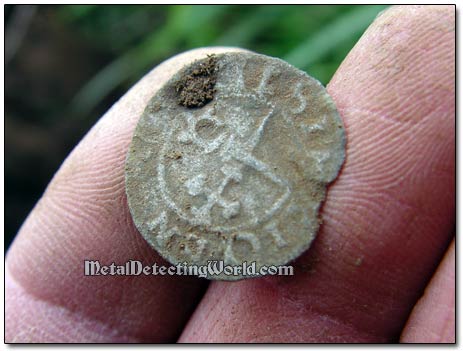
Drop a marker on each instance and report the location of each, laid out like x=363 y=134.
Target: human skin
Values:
x=433 y=317
x=387 y=221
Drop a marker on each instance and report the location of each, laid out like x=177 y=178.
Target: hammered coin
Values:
x=230 y=162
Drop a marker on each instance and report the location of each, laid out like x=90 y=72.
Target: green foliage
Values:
x=343 y=29
x=313 y=38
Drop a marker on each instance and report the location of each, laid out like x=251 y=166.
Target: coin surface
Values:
x=230 y=161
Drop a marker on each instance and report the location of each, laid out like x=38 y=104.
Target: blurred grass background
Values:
x=66 y=65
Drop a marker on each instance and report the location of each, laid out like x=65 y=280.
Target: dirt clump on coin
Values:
x=196 y=88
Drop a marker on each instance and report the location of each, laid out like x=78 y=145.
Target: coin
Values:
x=230 y=161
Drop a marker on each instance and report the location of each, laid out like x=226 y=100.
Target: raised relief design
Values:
x=235 y=125
x=250 y=238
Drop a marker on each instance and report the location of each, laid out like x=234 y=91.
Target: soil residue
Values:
x=196 y=87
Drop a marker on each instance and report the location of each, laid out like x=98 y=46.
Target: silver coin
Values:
x=230 y=161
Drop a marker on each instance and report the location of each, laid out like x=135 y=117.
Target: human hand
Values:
x=388 y=219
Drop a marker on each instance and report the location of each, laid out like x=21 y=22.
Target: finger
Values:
x=389 y=216
x=83 y=215
x=433 y=318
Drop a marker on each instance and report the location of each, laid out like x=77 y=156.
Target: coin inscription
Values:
x=240 y=177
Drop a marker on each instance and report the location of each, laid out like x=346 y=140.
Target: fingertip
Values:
x=433 y=317
x=83 y=215
x=388 y=216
